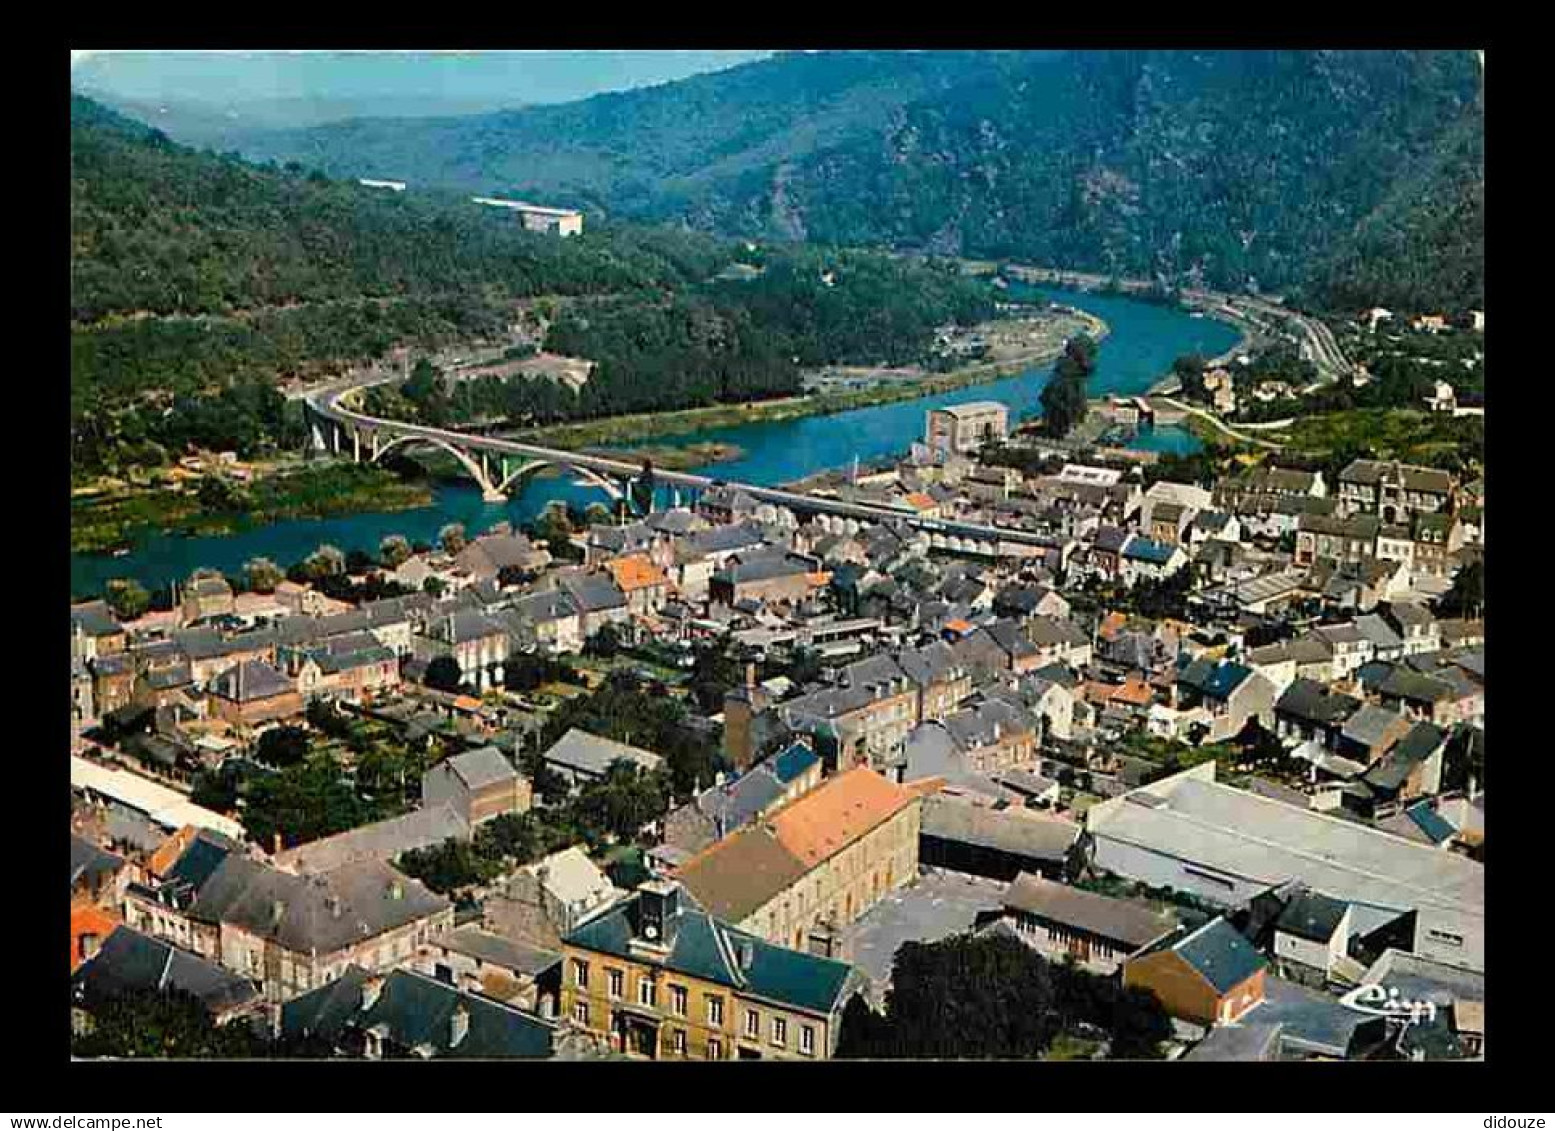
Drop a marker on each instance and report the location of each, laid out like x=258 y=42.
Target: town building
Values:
x=1208 y=976
x=1097 y=931
x=478 y=785
x=537 y=218
x=964 y=428
x=1393 y=491
x=815 y=865
x=403 y=1013
x=657 y=977
x=292 y=933
x=580 y=756
x=1226 y=845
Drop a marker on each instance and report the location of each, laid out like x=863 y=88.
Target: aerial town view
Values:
x=777 y=555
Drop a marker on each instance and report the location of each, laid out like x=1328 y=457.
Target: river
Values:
x=1143 y=341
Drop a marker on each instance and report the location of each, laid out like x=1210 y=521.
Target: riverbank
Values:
x=213 y=507
x=616 y=432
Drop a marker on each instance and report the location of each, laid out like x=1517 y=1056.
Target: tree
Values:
x=301 y=803
x=358 y=562
x=424 y=383
x=989 y=997
x=262 y=575
x=326 y=561
x=1063 y=398
x=435 y=586
x=1466 y=598
x=127 y=598
x=597 y=514
x=394 y=551
x=643 y=488
x=282 y=746
x=147 y=1023
x=623 y=801
x=443 y=674
x=605 y=642
x=452 y=538
x=326 y=718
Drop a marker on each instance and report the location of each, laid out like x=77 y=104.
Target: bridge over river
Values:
x=501 y=466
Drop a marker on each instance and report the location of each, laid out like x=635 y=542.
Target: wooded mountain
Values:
x=200 y=279
x=1279 y=168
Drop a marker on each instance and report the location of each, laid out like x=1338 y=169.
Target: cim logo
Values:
x=1380 y=1001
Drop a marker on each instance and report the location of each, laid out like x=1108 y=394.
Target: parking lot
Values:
x=939 y=905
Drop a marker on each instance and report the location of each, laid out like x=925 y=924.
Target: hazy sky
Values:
x=464 y=79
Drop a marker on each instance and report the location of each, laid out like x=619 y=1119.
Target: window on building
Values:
x=807 y=1039
x=752 y=1024
x=647 y=992
x=617 y=981
x=580 y=973
x=715 y=1010
x=715 y=1049
x=780 y=1031
x=678 y=1042
x=678 y=997
x=580 y=1012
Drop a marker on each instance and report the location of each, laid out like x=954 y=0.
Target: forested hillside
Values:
x=199 y=280
x=1271 y=168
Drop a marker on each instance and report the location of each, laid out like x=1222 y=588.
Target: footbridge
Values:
x=500 y=465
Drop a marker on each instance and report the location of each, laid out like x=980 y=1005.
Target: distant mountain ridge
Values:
x=1280 y=169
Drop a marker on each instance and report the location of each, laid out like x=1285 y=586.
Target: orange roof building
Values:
x=170 y=850
x=822 y=860
x=826 y=820
x=1111 y=625
x=635 y=571
x=89 y=926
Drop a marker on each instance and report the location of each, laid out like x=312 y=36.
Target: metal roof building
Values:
x=1192 y=833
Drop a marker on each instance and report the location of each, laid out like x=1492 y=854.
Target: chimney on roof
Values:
x=277 y=911
x=747 y=954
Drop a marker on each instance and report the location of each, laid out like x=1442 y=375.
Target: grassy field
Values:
x=1403 y=434
x=102 y=522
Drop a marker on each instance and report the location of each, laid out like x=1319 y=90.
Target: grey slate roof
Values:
x=1313 y=702
x=1220 y=954
x=498 y=950
x=1008 y=830
x=382 y=840
x=1311 y=915
x=704 y=947
x=480 y=768
x=250 y=681
x=589 y=753
x=87 y=861
x=94 y=618
x=461 y=626
x=1314 y=1022
x=1368 y=726
x=593 y=592
x=130 y=960
x=1118 y=920
x=416 y=1011
x=322 y=912
x=546 y=605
